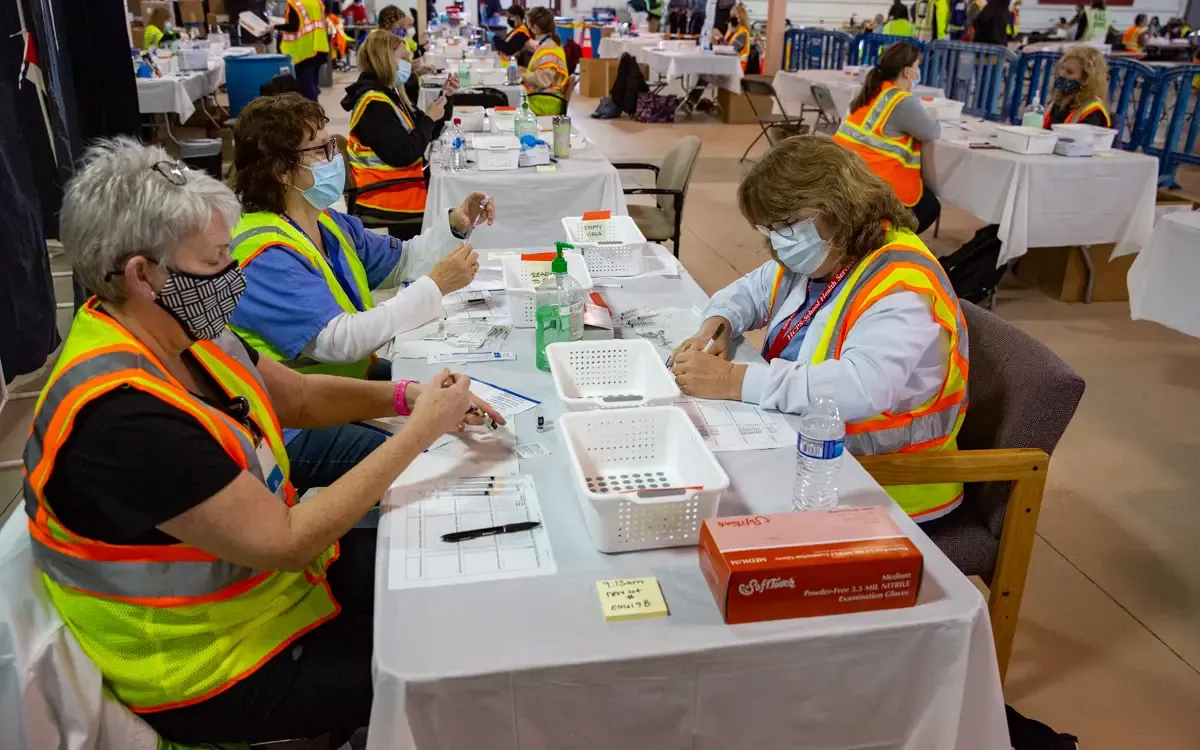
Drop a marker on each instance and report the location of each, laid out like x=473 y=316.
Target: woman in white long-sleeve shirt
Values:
x=853 y=304
x=310 y=269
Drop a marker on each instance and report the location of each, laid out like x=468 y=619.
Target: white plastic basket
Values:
x=522 y=277
x=488 y=76
x=644 y=477
x=943 y=109
x=1100 y=138
x=1024 y=140
x=472 y=118
x=610 y=374
x=622 y=255
x=503 y=121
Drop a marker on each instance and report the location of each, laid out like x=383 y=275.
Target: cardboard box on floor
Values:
x=148 y=7
x=735 y=106
x=218 y=7
x=137 y=34
x=191 y=12
x=596 y=76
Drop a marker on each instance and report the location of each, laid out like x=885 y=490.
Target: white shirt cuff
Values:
x=755 y=382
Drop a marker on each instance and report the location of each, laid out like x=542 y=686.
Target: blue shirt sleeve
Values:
x=379 y=253
x=286 y=302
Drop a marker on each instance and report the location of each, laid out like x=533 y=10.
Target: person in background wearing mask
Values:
x=898 y=23
x=162 y=508
x=1098 y=20
x=852 y=303
x=389 y=136
x=159 y=28
x=1080 y=89
x=1134 y=39
x=310 y=269
x=547 y=69
x=517 y=37
x=887 y=125
x=304 y=38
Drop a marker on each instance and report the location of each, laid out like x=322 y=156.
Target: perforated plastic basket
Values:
x=497 y=158
x=644 y=477
x=619 y=256
x=472 y=118
x=503 y=120
x=521 y=287
x=610 y=374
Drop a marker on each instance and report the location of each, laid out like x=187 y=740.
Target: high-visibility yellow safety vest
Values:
x=311 y=38
x=896 y=160
x=152 y=36
x=400 y=201
x=926 y=30
x=903 y=264
x=553 y=57
x=167 y=625
x=263 y=229
x=1098 y=21
x=732 y=36
x=898 y=27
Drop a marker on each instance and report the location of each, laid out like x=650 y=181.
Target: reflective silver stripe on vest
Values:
x=139 y=579
x=881 y=104
x=924 y=428
x=864 y=135
x=238 y=239
x=368 y=162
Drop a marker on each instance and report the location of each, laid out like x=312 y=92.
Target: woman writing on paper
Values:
x=852 y=303
x=162 y=506
x=1080 y=89
x=887 y=125
x=547 y=70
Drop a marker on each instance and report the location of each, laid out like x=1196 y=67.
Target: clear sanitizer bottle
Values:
x=525 y=121
x=558 y=308
x=1034 y=115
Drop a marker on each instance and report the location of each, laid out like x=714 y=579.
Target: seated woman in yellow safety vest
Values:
x=887 y=125
x=547 y=70
x=1134 y=39
x=853 y=305
x=1080 y=89
x=162 y=512
x=738 y=35
x=389 y=136
x=310 y=269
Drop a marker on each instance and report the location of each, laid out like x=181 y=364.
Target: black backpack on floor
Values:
x=972 y=268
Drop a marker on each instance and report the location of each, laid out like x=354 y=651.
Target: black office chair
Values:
x=482 y=96
x=564 y=98
x=753 y=86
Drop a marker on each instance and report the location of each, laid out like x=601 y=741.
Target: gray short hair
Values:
x=119 y=206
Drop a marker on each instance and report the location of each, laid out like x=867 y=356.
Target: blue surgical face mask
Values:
x=917 y=80
x=329 y=179
x=403 y=71
x=798 y=246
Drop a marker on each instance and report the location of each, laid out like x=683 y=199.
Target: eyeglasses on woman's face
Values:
x=783 y=228
x=328 y=149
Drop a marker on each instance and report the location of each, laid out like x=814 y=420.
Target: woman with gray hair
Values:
x=161 y=513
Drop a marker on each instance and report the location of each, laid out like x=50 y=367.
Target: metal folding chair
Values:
x=827 y=111
x=753 y=86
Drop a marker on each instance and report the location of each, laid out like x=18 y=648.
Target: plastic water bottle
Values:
x=558 y=308
x=525 y=121
x=818 y=454
x=464 y=72
x=457 y=159
x=1034 y=115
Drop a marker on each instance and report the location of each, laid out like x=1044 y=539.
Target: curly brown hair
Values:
x=810 y=177
x=389 y=16
x=1093 y=87
x=266 y=146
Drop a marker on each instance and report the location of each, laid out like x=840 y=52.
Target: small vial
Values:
x=541 y=418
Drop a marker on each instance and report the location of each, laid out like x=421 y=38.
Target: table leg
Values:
x=1091 y=272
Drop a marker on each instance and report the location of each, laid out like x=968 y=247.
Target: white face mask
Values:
x=799 y=246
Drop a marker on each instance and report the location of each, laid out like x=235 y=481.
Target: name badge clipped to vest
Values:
x=270 y=467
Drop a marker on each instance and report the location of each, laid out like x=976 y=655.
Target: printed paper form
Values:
x=420 y=516
x=509 y=403
x=734 y=426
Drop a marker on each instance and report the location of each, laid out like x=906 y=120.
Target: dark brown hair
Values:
x=895 y=58
x=266 y=146
x=543 y=18
x=810 y=177
x=389 y=16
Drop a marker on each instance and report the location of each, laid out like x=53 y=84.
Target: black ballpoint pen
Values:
x=508 y=528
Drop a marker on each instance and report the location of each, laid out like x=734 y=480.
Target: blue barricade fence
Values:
x=1169 y=131
x=815 y=49
x=866 y=48
x=1131 y=87
x=975 y=74
x=1032 y=74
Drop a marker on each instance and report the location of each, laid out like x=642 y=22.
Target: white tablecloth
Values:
x=179 y=92
x=615 y=46
x=530 y=663
x=443 y=57
x=430 y=93
x=1047 y=201
x=795 y=89
x=530 y=204
x=1162 y=281
x=723 y=70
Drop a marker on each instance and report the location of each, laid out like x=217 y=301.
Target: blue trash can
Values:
x=244 y=76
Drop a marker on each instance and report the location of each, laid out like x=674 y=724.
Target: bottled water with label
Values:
x=818 y=454
x=456 y=160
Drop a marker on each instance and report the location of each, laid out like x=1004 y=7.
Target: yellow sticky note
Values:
x=631 y=599
x=547 y=167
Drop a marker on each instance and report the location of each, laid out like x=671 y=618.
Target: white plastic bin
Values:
x=472 y=118
x=943 y=109
x=503 y=120
x=621 y=255
x=494 y=152
x=610 y=374
x=522 y=277
x=1024 y=140
x=644 y=478
x=1100 y=138
x=488 y=77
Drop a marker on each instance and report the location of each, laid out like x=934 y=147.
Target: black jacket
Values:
x=991 y=25
x=380 y=130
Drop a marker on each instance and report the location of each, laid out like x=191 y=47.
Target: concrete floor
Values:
x=1108 y=646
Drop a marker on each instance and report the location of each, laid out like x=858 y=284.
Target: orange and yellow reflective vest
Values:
x=394 y=201
x=167 y=625
x=903 y=264
x=896 y=160
x=548 y=56
x=310 y=38
x=1132 y=38
x=1079 y=114
x=744 y=53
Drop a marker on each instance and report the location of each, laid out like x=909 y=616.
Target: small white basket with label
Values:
x=503 y=119
x=612 y=247
x=1022 y=140
x=644 y=477
x=472 y=118
x=521 y=279
x=610 y=374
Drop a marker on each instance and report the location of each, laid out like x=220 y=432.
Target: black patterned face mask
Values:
x=203 y=304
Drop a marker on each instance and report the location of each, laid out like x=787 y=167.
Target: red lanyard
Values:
x=788 y=330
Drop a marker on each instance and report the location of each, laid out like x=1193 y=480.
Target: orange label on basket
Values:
x=539 y=256
x=597 y=215
x=505 y=109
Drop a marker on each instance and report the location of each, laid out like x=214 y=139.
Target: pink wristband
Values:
x=398 y=401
